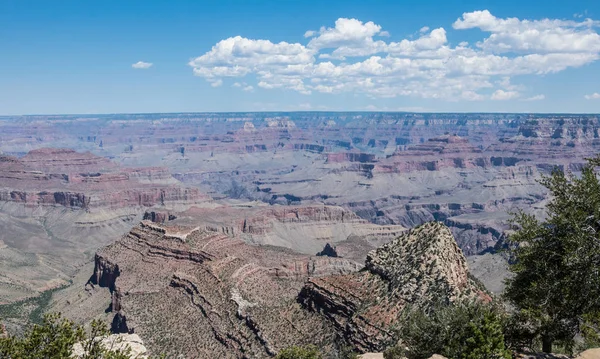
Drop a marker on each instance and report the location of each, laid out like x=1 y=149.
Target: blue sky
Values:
x=509 y=56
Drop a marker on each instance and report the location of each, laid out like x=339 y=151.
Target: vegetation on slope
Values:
x=54 y=339
x=462 y=331
x=553 y=294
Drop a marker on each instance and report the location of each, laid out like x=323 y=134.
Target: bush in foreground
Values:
x=296 y=352
x=461 y=331
x=54 y=339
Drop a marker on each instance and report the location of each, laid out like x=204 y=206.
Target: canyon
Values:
x=58 y=204
x=198 y=292
x=269 y=229
x=404 y=169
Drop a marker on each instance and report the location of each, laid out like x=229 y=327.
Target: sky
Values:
x=114 y=56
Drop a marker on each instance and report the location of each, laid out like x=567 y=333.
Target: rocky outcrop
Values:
x=420 y=267
x=58 y=206
x=251 y=301
x=239 y=299
x=350 y=157
x=304 y=228
x=328 y=251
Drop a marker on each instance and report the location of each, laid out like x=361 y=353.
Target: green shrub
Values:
x=296 y=352
x=461 y=331
x=54 y=339
x=590 y=331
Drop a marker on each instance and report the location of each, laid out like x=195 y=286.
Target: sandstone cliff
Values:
x=57 y=206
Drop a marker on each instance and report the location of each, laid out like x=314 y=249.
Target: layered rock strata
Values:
x=418 y=268
x=213 y=295
x=209 y=294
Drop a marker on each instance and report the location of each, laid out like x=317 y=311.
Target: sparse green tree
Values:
x=459 y=331
x=557 y=260
x=298 y=352
x=54 y=339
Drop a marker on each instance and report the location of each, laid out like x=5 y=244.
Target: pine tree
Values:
x=557 y=261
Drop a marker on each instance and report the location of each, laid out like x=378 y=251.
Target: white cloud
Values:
x=545 y=36
x=594 y=96
x=501 y=95
x=347 y=32
x=426 y=67
x=217 y=83
x=535 y=98
x=141 y=65
x=248 y=88
x=238 y=56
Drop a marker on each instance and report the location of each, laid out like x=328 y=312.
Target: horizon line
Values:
x=299 y=111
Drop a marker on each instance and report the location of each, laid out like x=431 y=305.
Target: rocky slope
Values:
x=199 y=292
x=303 y=228
x=115 y=342
x=417 y=268
x=57 y=206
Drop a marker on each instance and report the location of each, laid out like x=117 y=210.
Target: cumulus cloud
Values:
x=594 y=96
x=141 y=65
x=544 y=36
x=217 y=83
x=351 y=57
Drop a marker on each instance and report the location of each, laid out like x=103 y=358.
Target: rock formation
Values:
x=389 y=168
x=222 y=297
x=225 y=298
x=48 y=177
x=417 y=268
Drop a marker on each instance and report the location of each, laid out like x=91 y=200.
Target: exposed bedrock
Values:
x=225 y=298
x=58 y=206
x=239 y=299
x=418 y=267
